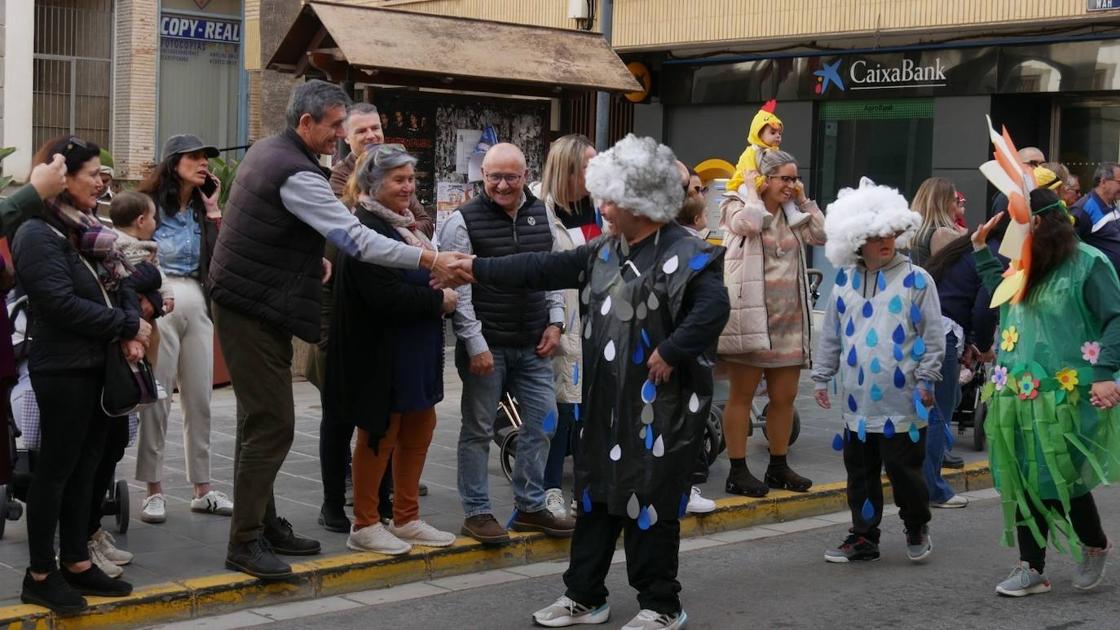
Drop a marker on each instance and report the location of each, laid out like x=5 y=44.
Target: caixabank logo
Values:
x=863 y=74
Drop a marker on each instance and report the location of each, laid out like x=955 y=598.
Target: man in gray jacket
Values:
x=265 y=283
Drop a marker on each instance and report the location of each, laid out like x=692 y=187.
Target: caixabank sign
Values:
x=860 y=74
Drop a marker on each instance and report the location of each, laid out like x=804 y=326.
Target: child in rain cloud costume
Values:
x=653 y=304
x=883 y=340
x=765 y=133
x=1051 y=424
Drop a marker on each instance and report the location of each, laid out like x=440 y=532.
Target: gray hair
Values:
x=358 y=109
x=376 y=163
x=314 y=97
x=1104 y=172
x=772 y=160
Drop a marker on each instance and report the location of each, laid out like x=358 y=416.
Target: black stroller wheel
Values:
x=714 y=442
x=507 y=454
x=794 y=430
x=120 y=497
x=978 y=417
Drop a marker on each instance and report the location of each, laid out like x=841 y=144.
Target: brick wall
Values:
x=135 y=98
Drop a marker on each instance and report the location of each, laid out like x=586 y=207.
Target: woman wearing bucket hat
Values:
x=188 y=228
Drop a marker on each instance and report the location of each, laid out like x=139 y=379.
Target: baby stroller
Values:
x=972 y=411
x=23 y=439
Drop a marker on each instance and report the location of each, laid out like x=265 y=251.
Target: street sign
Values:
x=1102 y=5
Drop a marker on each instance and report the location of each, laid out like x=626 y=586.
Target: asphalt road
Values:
x=782 y=581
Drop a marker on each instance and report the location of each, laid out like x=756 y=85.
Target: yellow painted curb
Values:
x=351 y=572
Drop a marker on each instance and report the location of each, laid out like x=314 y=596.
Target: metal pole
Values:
x=603 y=99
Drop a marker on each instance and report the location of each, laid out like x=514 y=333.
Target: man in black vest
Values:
x=265 y=281
x=505 y=340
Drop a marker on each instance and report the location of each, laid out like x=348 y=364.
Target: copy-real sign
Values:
x=205 y=29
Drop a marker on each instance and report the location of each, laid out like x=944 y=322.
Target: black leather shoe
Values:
x=257 y=559
x=286 y=542
x=93 y=581
x=53 y=593
x=333 y=519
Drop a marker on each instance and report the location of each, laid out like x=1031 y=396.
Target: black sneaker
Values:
x=333 y=519
x=952 y=460
x=257 y=559
x=53 y=593
x=782 y=477
x=740 y=481
x=286 y=542
x=93 y=581
x=854 y=548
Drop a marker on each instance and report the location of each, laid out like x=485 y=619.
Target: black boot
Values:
x=284 y=541
x=740 y=481
x=781 y=477
x=333 y=518
x=53 y=593
x=93 y=581
x=257 y=559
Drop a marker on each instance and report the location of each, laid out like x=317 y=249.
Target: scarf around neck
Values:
x=403 y=222
x=94 y=241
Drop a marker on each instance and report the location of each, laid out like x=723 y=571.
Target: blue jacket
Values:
x=1098 y=224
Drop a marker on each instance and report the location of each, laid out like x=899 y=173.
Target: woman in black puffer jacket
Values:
x=62 y=260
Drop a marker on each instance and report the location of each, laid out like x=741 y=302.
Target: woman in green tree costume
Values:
x=1051 y=426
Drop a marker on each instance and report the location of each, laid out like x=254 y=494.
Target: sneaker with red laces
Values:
x=854 y=548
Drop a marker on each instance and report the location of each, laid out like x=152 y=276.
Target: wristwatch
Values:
x=559 y=325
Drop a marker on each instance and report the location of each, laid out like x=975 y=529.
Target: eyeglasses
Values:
x=509 y=178
x=1035 y=163
x=787 y=179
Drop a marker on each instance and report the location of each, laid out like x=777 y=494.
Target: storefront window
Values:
x=1090 y=134
x=199 y=76
x=889 y=141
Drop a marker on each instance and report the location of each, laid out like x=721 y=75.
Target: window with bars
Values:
x=72 y=70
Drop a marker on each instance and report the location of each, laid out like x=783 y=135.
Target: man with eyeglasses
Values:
x=505 y=339
x=265 y=284
x=1096 y=214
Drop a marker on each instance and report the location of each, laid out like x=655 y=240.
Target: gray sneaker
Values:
x=1023 y=581
x=918 y=544
x=565 y=612
x=1090 y=571
x=652 y=620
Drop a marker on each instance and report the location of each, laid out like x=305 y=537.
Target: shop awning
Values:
x=392 y=47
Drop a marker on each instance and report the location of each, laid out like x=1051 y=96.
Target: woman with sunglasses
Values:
x=188 y=216
x=65 y=263
x=769 y=331
x=384 y=372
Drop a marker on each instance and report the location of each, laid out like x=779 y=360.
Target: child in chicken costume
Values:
x=1051 y=426
x=765 y=134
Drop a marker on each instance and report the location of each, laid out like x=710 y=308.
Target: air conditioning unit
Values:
x=577 y=10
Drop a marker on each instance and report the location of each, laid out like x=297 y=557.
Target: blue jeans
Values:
x=947 y=394
x=558 y=451
x=529 y=378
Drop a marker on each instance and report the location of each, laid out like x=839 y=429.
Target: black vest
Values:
x=511 y=318
x=267 y=263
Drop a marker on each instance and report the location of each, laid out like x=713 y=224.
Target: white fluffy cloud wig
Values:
x=639 y=175
x=862 y=213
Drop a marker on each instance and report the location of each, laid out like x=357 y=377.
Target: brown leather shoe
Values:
x=485 y=529
x=544 y=521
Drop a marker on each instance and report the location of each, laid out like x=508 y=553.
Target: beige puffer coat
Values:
x=568 y=356
x=742 y=217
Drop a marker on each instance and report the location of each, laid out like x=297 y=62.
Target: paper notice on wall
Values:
x=474 y=170
x=465 y=142
x=449 y=196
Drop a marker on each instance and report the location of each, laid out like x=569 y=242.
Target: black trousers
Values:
x=334 y=457
x=73 y=438
x=651 y=559
x=116 y=440
x=902 y=458
x=1086 y=522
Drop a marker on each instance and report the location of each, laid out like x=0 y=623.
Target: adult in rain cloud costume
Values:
x=653 y=304
x=883 y=341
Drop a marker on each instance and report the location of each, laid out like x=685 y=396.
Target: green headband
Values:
x=1057 y=204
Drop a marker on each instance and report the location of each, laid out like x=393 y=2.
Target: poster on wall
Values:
x=465 y=142
x=411 y=122
x=451 y=195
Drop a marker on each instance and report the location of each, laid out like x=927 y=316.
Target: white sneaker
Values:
x=101 y=562
x=377 y=539
x=213 y=502
x=697 y=504
x=565 y=612
x=103 y=541
x=554 y=502
x=955 y=501
x=153 y=509
x=652 y=620
x=420 y=533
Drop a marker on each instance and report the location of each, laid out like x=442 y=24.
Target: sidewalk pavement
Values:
x=190 y=545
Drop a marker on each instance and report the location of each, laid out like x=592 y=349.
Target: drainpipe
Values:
x=603 y=99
